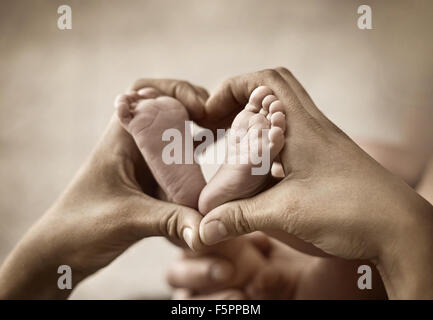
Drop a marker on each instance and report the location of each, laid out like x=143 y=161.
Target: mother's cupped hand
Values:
x=110 y=204
x=334 y=195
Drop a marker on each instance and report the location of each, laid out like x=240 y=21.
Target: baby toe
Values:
x=123 y=111
x=276 y=138
x=278 y=119
x=268 y=100
x=256 y=98
x=120 y=100
x=132 y=96
x=276 y=106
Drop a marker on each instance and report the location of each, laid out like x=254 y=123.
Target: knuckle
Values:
x=169 y=224
x=270 y=73
x=228 y=82
x=183 y=85
x=291 y=212
x=283 y=70
x=241 y=223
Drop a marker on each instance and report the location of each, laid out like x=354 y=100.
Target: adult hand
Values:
x=334 y=195
x=108 y=206
x=285 y=274
x=219 y=272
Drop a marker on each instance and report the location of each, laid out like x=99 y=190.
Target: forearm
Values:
x=406 y=263
x=22 y=278
x=30 y=270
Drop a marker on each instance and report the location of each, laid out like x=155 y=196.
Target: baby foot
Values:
x=146 y=114
x=235 y=179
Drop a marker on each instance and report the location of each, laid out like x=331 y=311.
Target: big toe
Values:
x=256 y=98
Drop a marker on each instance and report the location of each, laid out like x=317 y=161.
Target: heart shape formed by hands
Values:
x=212 y=112
x=300 y=206
x=254 y=142
x=247 y=102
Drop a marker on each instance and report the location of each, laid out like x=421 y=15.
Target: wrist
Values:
x=406 y=260
x=31 y=269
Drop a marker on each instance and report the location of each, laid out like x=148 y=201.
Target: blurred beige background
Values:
x=57 y=87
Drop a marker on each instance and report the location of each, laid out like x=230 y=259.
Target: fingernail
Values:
x=214 y=231
x=187 y=236
x=219 y=273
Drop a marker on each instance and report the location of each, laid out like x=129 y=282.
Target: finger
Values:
x=132 y=212
x=233 y=94
x=260 y=240
x=289 y=220
x=202 y=92
x=181 y=294
x=300 y=93
x=228 y=294
x=304 y=98
x=269 y=283
x=192 y=97
x=235 y=218
x=151 y=217
x=200 y=273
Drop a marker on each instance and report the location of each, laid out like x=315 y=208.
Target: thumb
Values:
x=180 y=224
x=259 y=213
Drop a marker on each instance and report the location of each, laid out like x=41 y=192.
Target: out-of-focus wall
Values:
x=57 y=87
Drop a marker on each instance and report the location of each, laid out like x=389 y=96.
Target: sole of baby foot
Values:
x=146 y=115
x=261 y=127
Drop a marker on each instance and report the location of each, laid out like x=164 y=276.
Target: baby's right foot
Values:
x=264 y=114
x=146 y=114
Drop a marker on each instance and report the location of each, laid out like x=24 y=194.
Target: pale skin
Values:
x=146 y=114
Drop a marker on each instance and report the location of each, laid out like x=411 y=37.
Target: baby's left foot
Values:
x=146 y=115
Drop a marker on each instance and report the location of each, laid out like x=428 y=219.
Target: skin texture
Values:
x=317 y=278
x=234 y=180
x=108 y=206
x=209 y=270
x=311 y=277
x=286 y=274
x=334 y=196
x=146 y=114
